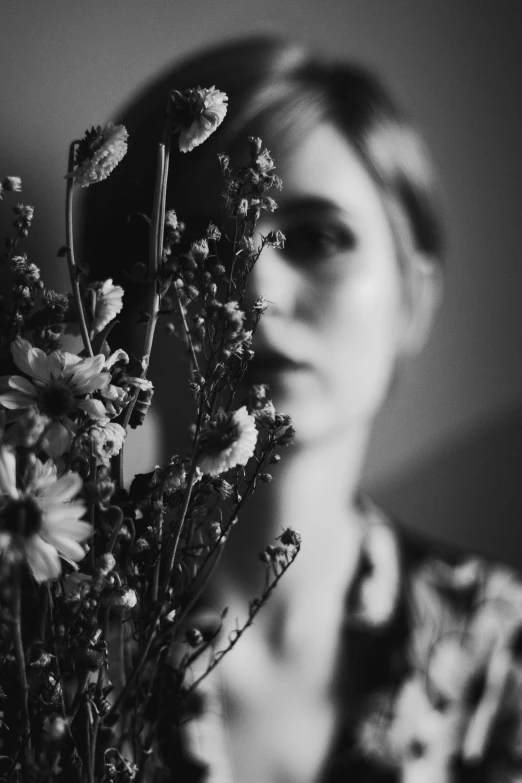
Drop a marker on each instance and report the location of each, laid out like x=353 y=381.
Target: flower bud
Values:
x=213 y=232
x=171 y=219
x=275 y=239
x=268 y=203
x=121 y=598
x=199 y=250
x=214 y=532
x=290 y=537
x=260 y=305
x=242 y=207
x=56 y=727
x=256 y=145
x=106 y=563
x=194 y=637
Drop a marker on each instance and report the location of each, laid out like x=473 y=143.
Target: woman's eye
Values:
x=309 y=242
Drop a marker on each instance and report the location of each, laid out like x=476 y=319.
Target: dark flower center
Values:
x=57 y=400
x=214 y=441
x=21 y=517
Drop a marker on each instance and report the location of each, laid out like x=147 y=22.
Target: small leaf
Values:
x=98 y=342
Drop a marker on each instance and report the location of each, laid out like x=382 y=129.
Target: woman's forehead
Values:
x=325 y=173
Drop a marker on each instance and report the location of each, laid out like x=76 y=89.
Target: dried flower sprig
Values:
x=152 y=547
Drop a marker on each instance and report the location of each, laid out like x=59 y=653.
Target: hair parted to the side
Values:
x=278 y=91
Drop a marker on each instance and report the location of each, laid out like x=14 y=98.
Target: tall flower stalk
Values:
x=19 y=654
x=74 y=271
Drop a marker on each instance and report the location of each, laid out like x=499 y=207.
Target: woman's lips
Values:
x=274 y=363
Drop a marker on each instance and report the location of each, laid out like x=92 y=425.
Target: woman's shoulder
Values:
x=398 y=564
x=433 y=659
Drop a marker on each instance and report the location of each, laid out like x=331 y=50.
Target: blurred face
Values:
x=328 y=341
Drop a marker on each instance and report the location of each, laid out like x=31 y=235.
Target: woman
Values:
x=380 y=657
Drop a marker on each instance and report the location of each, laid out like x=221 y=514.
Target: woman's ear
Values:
x=423 y=296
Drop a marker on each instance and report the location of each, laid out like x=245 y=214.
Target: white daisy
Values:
x=229 y=439
x=40 y=520
x=59 y=385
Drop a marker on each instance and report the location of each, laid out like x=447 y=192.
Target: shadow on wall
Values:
x=469 y=493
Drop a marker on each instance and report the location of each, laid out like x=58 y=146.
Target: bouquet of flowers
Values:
x=98 y=579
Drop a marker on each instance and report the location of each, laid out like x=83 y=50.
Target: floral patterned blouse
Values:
x=430 y=675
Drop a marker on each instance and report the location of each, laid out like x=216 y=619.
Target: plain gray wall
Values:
x=455 y=65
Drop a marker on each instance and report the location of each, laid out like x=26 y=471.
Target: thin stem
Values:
x=55 y=649
x=73 y=268
x=137 y=669
x=98 y=697
x=20 y=666
x=187 y=333
x=165 y=586
x=89 y=757
x=77 y=701
x=155 y=576
x=150 y=692
x=119 y=457
x=155 y=255
x=116 y=530
x=94 y=733
x=253 y=611
x=121 y=653
x=44 y=609
x=175 y=542
x=208 y=576
x=157 y=233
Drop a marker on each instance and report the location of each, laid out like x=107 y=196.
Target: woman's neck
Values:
x=313 y=491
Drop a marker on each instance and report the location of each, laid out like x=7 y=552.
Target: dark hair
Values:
x=278 y=91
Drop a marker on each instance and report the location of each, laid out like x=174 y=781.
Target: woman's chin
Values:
x=307 y=406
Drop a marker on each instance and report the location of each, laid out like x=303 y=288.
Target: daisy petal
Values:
x=93 y=408
x=68 y=514
x=56 y=365
x=69 y=360
x=62 y=490
x=90 y=366
x=118 y=356
x=141 y=383
x=42 y=559
x=20 y=384
x=43 y=473
x=6 y=541
x=84 y=384
x=31 y=361
x=8 y=473
x=16 y=399
x=66 y=547
x=188 y=138
x=57 y=440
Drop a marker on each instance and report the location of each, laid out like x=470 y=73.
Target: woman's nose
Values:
x=274 y=278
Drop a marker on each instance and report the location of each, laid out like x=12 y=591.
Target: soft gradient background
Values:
x=448 y=449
